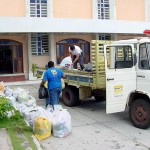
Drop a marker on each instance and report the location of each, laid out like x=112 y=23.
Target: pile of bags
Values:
x=44 y=122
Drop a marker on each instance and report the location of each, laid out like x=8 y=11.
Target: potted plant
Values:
x=34 y=69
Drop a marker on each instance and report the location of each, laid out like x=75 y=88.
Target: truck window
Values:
x=144 y=56
x=119 y=57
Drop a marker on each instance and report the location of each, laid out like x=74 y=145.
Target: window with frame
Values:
x=104 y=37
x=103 y=9
x=63 y=46
x=39 y=44
x=144 y=56
x=38 y=8
x=119 y=57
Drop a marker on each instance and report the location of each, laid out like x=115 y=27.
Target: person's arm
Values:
x=42 y=83
x=62 y=74
x=44 y=78
x=77 y=57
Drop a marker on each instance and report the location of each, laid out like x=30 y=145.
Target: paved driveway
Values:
x=92 y=129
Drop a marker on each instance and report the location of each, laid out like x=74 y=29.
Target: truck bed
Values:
x=94 y=79
x=83 y=78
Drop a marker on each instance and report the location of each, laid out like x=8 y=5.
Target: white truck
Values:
x=121 y=70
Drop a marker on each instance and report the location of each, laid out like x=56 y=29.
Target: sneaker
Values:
x=46 y=106
x=50 y=108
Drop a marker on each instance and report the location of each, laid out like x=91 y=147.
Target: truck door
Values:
x=120 y=76
x=143 y=68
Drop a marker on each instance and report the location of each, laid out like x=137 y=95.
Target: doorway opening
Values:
x=6 y=66
x=11 y=57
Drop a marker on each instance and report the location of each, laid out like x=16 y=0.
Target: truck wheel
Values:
x=70 y=96
x=139 y=113
x=99 y=98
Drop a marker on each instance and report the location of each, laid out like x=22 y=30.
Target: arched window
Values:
x=11 y=57
x=62 y=49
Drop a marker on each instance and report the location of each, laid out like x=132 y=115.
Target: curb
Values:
x=23 y=82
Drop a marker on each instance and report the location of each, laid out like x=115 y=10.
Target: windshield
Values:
x=144 y=56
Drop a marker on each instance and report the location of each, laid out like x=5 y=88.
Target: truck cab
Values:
x=127 y=72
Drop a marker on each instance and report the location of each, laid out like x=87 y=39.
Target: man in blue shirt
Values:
x=53 y=76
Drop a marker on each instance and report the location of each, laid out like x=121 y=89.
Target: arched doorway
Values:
x=62 y=49
x=11 y=57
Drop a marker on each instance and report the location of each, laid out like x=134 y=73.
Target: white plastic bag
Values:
x=61 y=123
x=23 y=97
x=12 y=100
x=17 y=91
x=66 y=62
x=8 y=91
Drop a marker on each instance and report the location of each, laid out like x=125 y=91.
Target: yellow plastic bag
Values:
x=62 y=83
x=42 y=128
x=2 y=88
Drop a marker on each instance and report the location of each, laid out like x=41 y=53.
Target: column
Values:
x=30 y=58
x=52 y=48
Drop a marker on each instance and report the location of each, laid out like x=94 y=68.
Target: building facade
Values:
x=36 y=31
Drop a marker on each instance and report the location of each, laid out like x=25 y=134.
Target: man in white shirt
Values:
x=77 y=56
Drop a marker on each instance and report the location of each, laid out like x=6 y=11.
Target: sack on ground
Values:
x=43 y=93
x=42 y=128
x=62 y=123
x=8 y=91
x=88 y=67
x=66 y=62
x=23 y=97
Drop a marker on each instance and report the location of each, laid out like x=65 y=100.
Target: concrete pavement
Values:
x=5 y=142
x=93 y=129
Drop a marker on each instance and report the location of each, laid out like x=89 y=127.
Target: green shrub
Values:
x=5 y=106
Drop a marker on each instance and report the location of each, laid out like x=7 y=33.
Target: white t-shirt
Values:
x=76 y=51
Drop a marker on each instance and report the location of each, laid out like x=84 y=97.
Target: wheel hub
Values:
x=140 y=113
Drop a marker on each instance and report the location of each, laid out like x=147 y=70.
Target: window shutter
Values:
x=38 y=8
x=103 y=9
x=104 y=37
x=39 y=44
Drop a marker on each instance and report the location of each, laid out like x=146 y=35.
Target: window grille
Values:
x=103 y=9
x=38 y=8
x=39 y=44
x=104 y=37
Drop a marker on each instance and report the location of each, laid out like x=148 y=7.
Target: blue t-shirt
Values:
x=53 y=76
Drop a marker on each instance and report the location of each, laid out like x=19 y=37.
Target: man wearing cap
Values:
x=77 y=56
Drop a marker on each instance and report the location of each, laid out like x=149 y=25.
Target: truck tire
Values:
x=99 y=98
x=139 y=113
x=70 y=96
